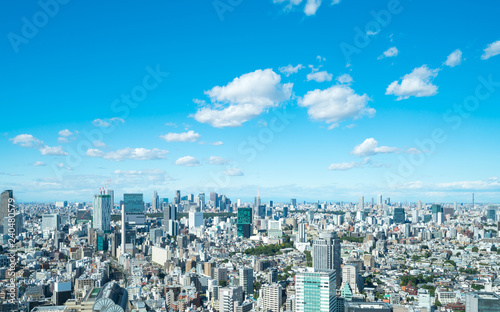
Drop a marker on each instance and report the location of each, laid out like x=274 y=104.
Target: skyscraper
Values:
x=315 y=291
x=112 y=194
x=399 y=215
x=301 y=235
x=7 y=198
x=177 y=199
x=379 y=200
x=436 y=209
x=257 y=202
x=244 y=222
x=246 y=280
x=361 y=203
x=155 y=202
x=293 y=202
x=134 y=208
x=102 y=212
x=326 y=254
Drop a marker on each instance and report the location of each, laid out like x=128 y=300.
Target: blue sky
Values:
x=315 y=100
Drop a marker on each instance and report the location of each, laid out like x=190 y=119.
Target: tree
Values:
x=222 y=283
x=437 y=303
x=309 y=260
x=475 y=249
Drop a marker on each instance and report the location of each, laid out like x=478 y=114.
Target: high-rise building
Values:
x=102 y=213
x=482 y=302
x=257 y=203
x=491 y=213
x=195 y=219
x=246 y=280
x=271 y=297
x=301 y=235
x=228 y=296
x=244 y=222
x=368 y=307
x=155 y=202
x=134 y=208
x=361 y=203
x=326 y=254
x=169 y=212
x=379 y=200
x=177 y=199
x=350 y=275
x=293 y=202
x=424 y=299
x=399 y=215
x=112 y=194
x=50 y=221
x=201 y=201
x=436 y=209
x=315 y=291
x=6 y=200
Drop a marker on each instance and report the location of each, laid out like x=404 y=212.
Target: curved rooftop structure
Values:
x=111 y=298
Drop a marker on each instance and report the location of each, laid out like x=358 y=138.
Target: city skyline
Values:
x=314 y=102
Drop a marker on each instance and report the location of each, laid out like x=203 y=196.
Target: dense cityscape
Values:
x=211 y=253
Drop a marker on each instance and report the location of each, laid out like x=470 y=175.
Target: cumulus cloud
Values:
x=128 y=153
x=491 y=50
x=335 y=104
x=65 y=133
x=418 y=83
x=189 y=136
x=391 y=52
x=319 y=76
x=187 y=161
x=289 y=4
x=311 y=7
x=454 y=59
x=289 y=70
x=216 y=160
x=345 y=79
x=244 y=98
x=39 y=164
x=370 y=147
x=348 y=165
x=217 y=143
x=28 y=140
x=233 y=172
x=105 y=123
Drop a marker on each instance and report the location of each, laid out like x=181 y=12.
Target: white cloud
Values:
x=418 y=83
x=454 y=59
x=391 y=52
x=288 y=70
x=129 y=153
x=370 y=147
x=348 y=165
x=371 y=33
x=39 y=164
x=105 y=123
x=62 y=140
x=26 y=140
x=233 y=172
x=65 y=133
x=491 y=50
x=217 y=143
x=413 y=150
x=336 y=104
x=244 y=98
x=98 y=143
x=187 y=161
x=320 y=76
x=216 y=160
x=311 y=7
x=189 y=136
x=54 y=150
x=171 y=124
x=345 y=78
